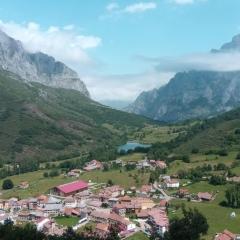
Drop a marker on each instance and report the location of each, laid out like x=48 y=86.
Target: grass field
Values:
x=40 y=185
x=138 y=236
x=153 y=134
x=124 y=178
x=66 y=221
x=134 y=157
x=200 y=159
x=218 y=217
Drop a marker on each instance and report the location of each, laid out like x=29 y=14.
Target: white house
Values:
x=172 y=183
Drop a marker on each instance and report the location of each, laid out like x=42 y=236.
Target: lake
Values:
x=132 y=146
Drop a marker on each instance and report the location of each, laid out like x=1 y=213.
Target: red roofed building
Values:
x=226 y=235
x=161 y=164
x=71 y=188
x=158 y=219
x=205 y=196
x=93 y=165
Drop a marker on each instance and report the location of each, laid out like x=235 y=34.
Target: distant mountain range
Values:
x=193 y=94
x=37 y=67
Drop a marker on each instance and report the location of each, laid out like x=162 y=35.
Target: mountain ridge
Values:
x=188 y=95
x=37 y=67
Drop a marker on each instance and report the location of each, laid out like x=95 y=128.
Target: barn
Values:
x=70 y=189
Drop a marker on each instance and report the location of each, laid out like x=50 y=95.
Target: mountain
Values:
x=42 y=123
x=232 y=46
x=193 y=94
x=37 y=67
x=116 y=104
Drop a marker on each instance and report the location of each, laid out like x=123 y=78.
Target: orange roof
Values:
x=102 y=227
x=226 y=235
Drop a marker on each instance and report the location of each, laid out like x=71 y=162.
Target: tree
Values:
x=217 y=180
x=186 y=158
x=110 y=182
x=54 y=173
x=190 y=227
x=7 y=184
x=233 y=196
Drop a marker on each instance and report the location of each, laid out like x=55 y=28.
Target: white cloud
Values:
x=140 y=7
x=124 y=87
x=183 y=2
x=186 y=2
x=112 y=6
x=64 y=44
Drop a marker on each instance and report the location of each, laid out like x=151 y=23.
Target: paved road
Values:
x=166 y=196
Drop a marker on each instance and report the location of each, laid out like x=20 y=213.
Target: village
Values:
x=137 y=209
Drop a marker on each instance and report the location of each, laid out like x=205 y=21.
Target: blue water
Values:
x=132 y=146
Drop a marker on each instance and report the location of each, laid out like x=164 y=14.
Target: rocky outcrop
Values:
x=194 y=94
x=37 y=67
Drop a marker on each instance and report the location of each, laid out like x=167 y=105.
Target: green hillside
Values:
x=222 y=132
x=43 y=123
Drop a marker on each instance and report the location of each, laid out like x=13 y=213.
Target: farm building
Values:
x=70 y=189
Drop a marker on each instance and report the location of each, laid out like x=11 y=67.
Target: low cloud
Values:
x=125 y=87
x=63 y=43
x=202 y=61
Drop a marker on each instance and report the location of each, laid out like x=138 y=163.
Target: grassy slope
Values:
x=39 y=185
x=218 y=217
x=215 y=134
x=43 y=122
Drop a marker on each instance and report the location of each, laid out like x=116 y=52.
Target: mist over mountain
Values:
x=37 y=67
x=193 y=94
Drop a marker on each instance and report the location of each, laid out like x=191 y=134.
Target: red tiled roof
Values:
x=226 y=235
x=72 y=187
x=205 y=195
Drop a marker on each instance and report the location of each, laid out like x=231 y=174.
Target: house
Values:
x=172 y=183
x=111 y=192
x=205 y=196
x=226 y=235
x=32 y=203
x=158 y=220
x=163 y=203
x=144 y=164
x=70 y=189
x=73 y=174
x=4 y=204
x=160 y=164
x=93 y=165
x=120 y=209
x=42 y=199
x=183 y=192
x=146 y=190
x=102 y=230
x=52 y=209
x=121 y=222
x=41 y=222
x=70 y=202
x=99 y=216
x=24 y=216
x=23 y=185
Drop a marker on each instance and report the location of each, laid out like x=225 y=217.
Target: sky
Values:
x=123 y=47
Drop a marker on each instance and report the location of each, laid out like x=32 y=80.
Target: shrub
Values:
x=7 y=184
